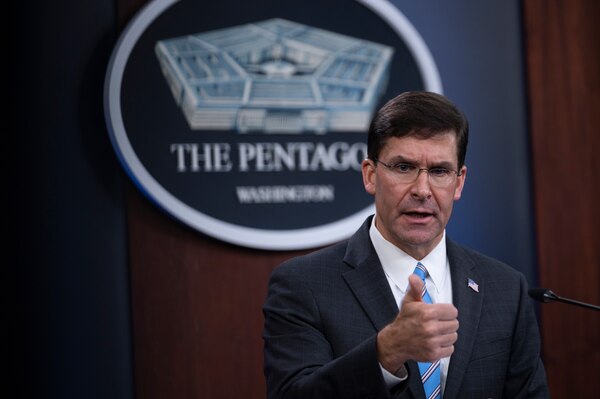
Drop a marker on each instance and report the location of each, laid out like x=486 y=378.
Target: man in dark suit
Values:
x=354 y=321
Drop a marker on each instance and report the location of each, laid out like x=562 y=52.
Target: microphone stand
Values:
x=545 y=295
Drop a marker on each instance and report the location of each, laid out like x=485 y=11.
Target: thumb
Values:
x=414 y=290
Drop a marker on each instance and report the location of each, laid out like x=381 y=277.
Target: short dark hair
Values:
x=421 y=114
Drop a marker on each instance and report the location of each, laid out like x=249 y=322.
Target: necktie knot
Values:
x=421 y=271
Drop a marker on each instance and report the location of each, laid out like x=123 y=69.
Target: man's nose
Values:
x=421 y=188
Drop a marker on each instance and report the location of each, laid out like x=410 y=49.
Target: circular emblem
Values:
x=250 y=126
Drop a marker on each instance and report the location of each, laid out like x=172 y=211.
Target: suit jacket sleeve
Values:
x=525 y=377
x=298 y=357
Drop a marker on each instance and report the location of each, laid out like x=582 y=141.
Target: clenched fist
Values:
x=422 y=332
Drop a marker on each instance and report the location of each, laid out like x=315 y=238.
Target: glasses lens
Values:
x=441 y=180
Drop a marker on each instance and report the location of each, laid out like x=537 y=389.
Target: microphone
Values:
x=545 y=295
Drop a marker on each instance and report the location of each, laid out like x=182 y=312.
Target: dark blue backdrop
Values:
x=71 y=329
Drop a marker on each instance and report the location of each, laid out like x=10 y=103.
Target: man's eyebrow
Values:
x=401 y=159
x=443 y=164
x=396 y=159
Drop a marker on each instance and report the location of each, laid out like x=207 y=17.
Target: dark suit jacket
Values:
x=323 y=311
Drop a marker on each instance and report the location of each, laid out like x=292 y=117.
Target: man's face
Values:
x=413 y=215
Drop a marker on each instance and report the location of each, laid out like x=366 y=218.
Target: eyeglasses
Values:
x=408 y=173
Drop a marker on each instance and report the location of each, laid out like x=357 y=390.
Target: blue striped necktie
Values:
x=430 y=372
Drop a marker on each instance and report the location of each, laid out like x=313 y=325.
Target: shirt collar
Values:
x=398 y=265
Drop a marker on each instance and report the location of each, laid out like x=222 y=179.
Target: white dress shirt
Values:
x=398 y=265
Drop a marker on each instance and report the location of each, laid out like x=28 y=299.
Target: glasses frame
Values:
x=394 y=169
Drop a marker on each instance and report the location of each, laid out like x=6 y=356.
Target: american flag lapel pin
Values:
x=473 y=285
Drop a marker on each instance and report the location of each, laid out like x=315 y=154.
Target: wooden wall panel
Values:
x=563 y=65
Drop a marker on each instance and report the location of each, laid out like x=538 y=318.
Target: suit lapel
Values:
x=367 y=280
x=469 y=304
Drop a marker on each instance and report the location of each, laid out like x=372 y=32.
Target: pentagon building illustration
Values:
x=275 y=76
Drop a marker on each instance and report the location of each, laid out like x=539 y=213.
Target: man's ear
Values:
x=460 y=183
x=369 y=176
